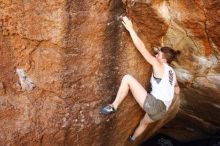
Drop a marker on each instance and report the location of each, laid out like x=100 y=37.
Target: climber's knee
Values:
x=126 y=78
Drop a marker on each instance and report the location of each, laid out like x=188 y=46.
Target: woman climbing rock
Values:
x=163 y=82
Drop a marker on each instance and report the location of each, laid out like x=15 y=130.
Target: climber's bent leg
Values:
x=137 y=90
x=141 y=127
x=127 y=83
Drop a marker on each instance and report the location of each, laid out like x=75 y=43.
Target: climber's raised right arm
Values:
x=139 y=43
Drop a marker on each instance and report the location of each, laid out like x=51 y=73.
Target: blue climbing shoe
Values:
x=107 y=110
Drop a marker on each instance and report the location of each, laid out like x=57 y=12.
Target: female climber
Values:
x=163 y=83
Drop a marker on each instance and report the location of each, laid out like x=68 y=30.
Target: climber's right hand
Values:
x=127 y=23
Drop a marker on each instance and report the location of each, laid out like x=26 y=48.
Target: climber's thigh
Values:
x=146 y=120
x=155 y=108
x=137 y=90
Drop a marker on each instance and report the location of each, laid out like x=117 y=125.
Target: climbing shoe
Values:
x=107 y=110
x=131 y=139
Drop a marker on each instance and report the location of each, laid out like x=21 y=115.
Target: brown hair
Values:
x=169 y=54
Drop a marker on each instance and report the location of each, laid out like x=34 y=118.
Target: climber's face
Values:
x=160 y=57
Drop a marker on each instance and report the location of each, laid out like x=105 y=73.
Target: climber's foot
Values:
x=131 y=139
x=107 y=110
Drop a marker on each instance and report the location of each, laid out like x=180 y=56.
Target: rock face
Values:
x=63 y=60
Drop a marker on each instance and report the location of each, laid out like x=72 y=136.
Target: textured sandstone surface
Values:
x=63 y=60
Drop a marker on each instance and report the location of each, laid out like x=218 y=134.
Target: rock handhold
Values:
x=25 y=82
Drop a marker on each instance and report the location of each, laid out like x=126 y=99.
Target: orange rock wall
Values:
x=61 y=61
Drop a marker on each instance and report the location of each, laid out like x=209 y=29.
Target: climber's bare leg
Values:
x=142 y=126
x=137 y=90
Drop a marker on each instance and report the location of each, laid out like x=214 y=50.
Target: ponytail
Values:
x=176 y=54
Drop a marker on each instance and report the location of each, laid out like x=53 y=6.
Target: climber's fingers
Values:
x=127 y=23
